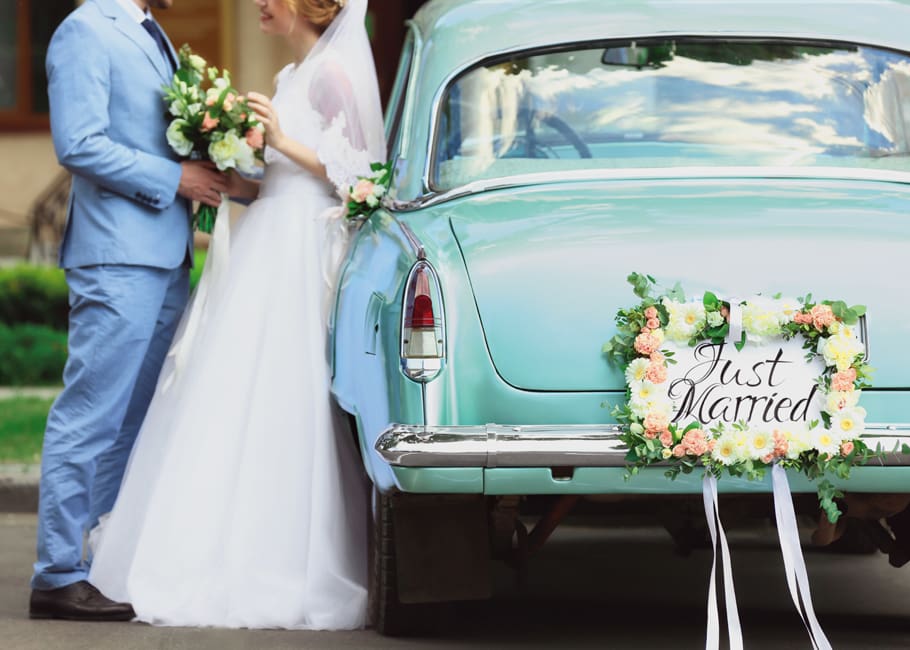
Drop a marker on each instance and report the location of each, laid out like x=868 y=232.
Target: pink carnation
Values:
x=767 y=458
x=679 y=451
x=650 y=435
x=646 y=343
x=822 y=316
x=656 y=422
x=651 y=312
x=657 y=357
x=656 y=373
x=802 y=318
x=843 y=381
x=666 y=438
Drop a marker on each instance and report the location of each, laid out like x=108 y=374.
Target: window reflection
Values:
x=664 y=103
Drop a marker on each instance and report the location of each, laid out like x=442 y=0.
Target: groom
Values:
x=126 y=251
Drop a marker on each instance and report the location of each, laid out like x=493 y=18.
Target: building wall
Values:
x=27 y=158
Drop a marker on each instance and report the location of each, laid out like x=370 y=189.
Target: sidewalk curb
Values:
x=19 y=488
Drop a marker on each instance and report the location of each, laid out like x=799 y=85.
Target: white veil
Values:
x=345 y=92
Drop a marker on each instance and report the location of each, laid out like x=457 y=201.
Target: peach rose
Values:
x=650 y=435
x=767 y=458
x=657 y=357
x=651 y=312
x=846 y=447
x=209 y=122
x=362 y=190
x=254 y=138
x=653 y=323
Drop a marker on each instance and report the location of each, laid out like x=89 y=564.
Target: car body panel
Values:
x=532 y=269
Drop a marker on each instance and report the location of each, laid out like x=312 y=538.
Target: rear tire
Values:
x=388 y=615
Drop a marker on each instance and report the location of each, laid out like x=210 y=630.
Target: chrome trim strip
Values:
x=415 y=243
x=577 y=445
x=694 y=173
x=864 y=336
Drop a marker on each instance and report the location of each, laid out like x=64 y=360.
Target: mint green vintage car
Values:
x=542 y=152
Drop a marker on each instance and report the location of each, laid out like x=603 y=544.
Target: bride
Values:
x=243 y=504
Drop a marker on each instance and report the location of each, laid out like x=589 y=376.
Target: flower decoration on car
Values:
x=211 y=121
x=366 y=193
x=730 y=413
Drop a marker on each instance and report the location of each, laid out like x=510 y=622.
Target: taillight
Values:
x=422 y=324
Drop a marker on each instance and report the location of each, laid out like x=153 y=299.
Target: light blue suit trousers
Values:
x=122 y=320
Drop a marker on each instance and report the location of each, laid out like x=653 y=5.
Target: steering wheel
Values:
x=559 y=125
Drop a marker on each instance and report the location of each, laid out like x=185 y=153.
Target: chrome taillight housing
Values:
x=423 y=340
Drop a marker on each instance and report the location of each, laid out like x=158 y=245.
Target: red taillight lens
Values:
x=422 y=316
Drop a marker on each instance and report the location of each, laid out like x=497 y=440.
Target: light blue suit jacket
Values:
x=108 y=123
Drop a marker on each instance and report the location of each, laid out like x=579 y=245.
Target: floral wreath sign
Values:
x=740 y=386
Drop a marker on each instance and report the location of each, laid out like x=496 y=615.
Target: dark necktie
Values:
x=152 y=28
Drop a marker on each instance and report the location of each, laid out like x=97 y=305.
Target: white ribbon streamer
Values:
x=736 y=320
x=794 y=563
x=216 y=264
x=734 y=629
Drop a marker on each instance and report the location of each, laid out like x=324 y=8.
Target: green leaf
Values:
x=905 y=448
x=710 y=301
x=741 y=342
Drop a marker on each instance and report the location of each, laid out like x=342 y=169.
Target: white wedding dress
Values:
x=243 y=503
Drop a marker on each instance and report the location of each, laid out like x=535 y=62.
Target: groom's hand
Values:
x=201 y=181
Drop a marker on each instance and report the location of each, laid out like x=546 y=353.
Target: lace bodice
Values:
x=312 y=109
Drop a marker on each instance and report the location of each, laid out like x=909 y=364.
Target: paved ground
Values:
x=590 y=588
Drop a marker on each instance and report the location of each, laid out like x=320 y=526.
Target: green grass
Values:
x=22 y=421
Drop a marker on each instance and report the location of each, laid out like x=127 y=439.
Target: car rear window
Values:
x=675 y=102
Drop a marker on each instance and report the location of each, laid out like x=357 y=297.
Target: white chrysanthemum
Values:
x=787 y=309
x=179 y=142
x=836 y=401
x=646 y=397
x=825 y=441
x=840 y=349
x=759 y=444
x=759 y=322
x=636 y=370
x=726 y=451
x=686 y=319
x=798 y=440
x=848 y=424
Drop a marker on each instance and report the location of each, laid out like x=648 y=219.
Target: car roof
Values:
x=468 y=30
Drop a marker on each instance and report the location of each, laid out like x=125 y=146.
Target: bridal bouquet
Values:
x=365 y=194
x=211 y=121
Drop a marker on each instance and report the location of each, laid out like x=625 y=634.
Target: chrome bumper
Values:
x=576 y=445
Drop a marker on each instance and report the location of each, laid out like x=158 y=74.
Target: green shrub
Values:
x=34 y=294
x=31 y=355
x=39 y=295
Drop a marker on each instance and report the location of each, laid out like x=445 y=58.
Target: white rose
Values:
x=176 y=139
x=175 y=108
x=225 y=151
x=198 y=63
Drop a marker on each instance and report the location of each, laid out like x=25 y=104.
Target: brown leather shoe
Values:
x=79 y=601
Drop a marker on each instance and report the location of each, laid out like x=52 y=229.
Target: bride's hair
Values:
x=320 y=13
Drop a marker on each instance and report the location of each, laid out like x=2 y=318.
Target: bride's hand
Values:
x=266 y=113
